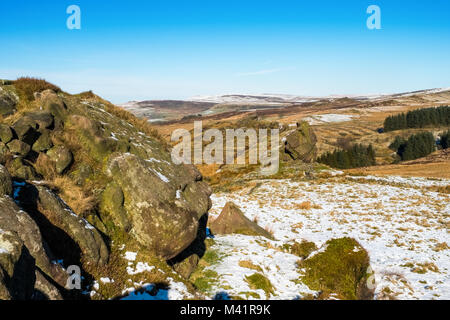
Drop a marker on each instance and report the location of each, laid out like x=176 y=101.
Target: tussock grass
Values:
x=249 y=265
x=303 y=249
x=79 y=199
x=27 y=86
x=258 y=281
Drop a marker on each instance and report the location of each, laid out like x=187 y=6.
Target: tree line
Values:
x=420 y=118
x=356 y=156
x=445 y=140
x=416 y=146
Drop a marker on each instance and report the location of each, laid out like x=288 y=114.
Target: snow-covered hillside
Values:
x=402 y=222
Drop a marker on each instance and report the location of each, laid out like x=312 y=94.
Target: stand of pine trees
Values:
x=417 y=146
x=421 y=118
x=355 y=157
x=445 y=140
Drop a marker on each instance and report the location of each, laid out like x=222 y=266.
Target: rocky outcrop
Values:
x=301 y=144
x=92 y=155
x=232 y=220
x=44 y=119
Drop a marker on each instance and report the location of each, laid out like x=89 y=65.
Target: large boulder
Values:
x=301 y=143
x=340 y=268
x=61 y=156
x=161 y=208
x=232 y=220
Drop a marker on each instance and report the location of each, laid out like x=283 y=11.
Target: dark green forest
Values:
x=416 y=146
x=420 y=118
x=356 y=156
x=445 y=140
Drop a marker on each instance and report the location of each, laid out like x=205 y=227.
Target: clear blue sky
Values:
x=135 y=50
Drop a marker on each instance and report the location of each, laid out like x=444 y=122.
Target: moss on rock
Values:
x=339 y=268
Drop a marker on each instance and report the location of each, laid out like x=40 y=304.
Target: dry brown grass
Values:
x=305 y=205
x=270 y=230
x=77 y=198
x=249 y=265
x=426 y=170
x=441 y=246
x=27 y=86
x=45 y=167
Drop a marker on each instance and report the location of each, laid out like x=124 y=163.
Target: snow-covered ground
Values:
x=401 y=222
x=328 y=118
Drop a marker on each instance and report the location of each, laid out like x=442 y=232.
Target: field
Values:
x=402 y=222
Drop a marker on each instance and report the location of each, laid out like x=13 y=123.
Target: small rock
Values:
x=232 y=220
